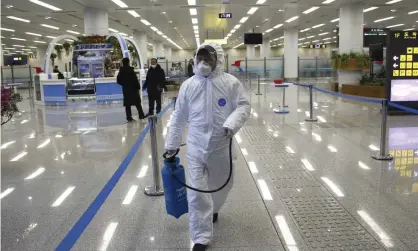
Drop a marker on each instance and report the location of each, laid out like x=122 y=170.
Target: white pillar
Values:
x=168 y=53
x=291 y=53
x=40 y=56
x=157 y=49
x=141 y=39
x=351 y=39
x=96 y=22
x=250 y=51
x=265 y=51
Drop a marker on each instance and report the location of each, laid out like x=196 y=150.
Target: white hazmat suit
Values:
x=210 y=104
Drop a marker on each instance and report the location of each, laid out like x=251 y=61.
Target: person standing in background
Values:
x=154 y=83
x=190 y=72
x=130 y=87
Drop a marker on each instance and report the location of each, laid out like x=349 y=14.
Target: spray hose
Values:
x=199 y=190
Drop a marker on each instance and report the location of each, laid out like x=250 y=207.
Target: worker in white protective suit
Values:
x=216 y=106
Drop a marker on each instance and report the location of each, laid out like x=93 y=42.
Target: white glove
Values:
x=170 y=153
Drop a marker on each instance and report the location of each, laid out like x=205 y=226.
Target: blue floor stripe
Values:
x=74 y=234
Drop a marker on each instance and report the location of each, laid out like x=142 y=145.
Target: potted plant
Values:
x=67 y=47
x=58 y=49
x=351 y=61
x=9 y=101
x=53 y=57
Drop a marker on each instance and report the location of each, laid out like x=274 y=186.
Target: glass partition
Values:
x=19 y=74
x=274 y=68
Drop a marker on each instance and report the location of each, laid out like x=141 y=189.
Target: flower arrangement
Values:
x=9 y=101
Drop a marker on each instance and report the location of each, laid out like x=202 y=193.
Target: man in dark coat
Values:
x=130 y=87
x=154 y=83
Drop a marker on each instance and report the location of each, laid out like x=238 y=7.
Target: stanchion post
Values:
x=155 y=189
x=284 y=98
x=258 y=87
x=311 y=117
x=382 y=155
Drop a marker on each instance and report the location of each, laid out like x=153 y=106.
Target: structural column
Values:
x=265 y=49
x=157 y=49
x=351 y=39
x=141 y=40
x=96 y=22
x=250 y=51
x=168 y=53
x=291 y=53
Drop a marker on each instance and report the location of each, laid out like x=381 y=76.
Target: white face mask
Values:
x=203 y=69
x=154 y=65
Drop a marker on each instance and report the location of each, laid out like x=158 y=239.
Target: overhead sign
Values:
x=375 y=36
x=218 y=41
x=402 y=67
x=317 y=46
x=225 y=15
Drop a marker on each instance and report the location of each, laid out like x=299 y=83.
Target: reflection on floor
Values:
x=298 y=185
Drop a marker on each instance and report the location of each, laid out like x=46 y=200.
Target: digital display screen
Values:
x=317 y=46
x=253 y=38
x=15 y=59
x=374 y=36
x=225 y=15
x=404 y=90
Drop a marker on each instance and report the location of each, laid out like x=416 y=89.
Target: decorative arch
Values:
x=122 y=42
x=141 y=58
x=51 y=46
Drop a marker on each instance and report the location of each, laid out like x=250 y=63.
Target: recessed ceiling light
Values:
x=195 y=21
x=113 y=30
x=383 y=19
x=47 y=18
x=193 y=12
x=120 y=3
x=292 y=19
x=261 y=1
x=39 y=42
x=252 y=10
x=269 y=30
x=50 y=26
x=18 y=19
x=393 y=1
x=305 y=29
x=328 y=1
x=9 y=6
x=6 y=29
x=145 y=22
x=20 y=39
x=191 y=2
x=321 y=34
x=52 y=7
x=370 y=9
x=133 y=13
x=310 y=10
x=73 y=32
x=236 y=27
x=34 y=34
x=195 y=27
x=318 y=25
x=243 y=20
x=413 y=12
x=335 y=20
x=32 y=47
x=278 y=26
x=163 y=13
x=395 y=25
x=50 y=37
x=175 y=28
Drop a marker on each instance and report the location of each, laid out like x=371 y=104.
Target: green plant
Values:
x=53 y=57
x=58 y=49
x=9 y=101
x=346 y=60
x=67 y=47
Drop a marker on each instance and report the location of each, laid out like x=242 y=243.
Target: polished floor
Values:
x=298 y=185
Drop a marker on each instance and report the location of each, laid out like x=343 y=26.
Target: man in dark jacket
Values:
x=154 y=83
x=130 y=87
x=190 y=72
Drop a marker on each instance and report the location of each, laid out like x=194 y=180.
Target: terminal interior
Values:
x=319 y=167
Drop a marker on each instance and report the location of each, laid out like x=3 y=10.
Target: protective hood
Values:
x=220 y=55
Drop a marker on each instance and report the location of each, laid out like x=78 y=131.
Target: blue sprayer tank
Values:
x=175 y=193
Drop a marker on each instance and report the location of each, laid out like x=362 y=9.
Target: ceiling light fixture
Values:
x=317 y=26
x=5 y=29
x=41 y=42
x=310 y=37
x=133 y=13
x=269 y=30
x=278 y=26
x=310 y=10
x=328 y=1
x=34 y=34
x=18 y=19
x=261 y=1
x=305 y=29
x=145 y=22
x=73 y=32
x=50 y=26
x=252 y=10
x=113 y=30
x=51 y=37
x=9 y=6
x=236 y=27
x=51 y=7
x=393 y=1
x=395 y=25
x=195 y=21
x=193 y=12
x=191 y=2
x=335 y=20
x=20 y=39
x=292 y=19
x=321 y=34
x=370 y=9
x=413 y=12
x=383 y=19
x=153 y=28
x=21 y=46
x=120 y=3
x=243 y=20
